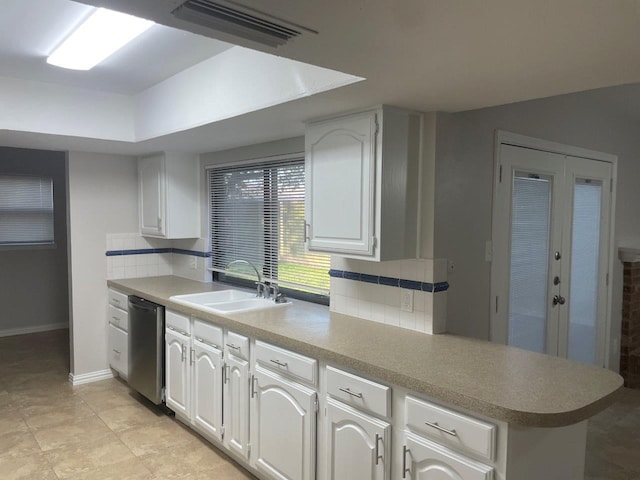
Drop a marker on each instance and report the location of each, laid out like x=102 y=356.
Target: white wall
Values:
x=36 y=271
x=103 y=198
x=29 y=106
x=464 y=175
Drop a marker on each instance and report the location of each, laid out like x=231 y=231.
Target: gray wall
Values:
x=464 y=176
x=33 y=282
x=103 y=198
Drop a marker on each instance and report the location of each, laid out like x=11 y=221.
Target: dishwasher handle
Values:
x=141 y=304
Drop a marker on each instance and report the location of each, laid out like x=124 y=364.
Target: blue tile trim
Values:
x=336 y=273
x=191 y=252
x=146 y=251
x=410 y=284
x=390 y=281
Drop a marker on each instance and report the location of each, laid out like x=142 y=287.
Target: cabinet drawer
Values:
x=359 y=392
x=177 y=322
x=207 y=333
x=425 y=459
x=237 y=345
x=451 y=428
x=118 y=299
x=119 y=350
x=119 y=318
x=287 y=362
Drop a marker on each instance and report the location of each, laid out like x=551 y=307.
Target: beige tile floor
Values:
x=103 y=431
x=98 y=431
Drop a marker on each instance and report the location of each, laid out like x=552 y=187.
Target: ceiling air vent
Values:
x=240 y=21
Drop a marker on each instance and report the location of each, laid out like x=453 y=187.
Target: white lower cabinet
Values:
x=207 y=389
x=426 y=460
x=119 y=350
x=283 y=426
x=177 y=372
x=118 y=336
x=236 y=405
x=358 y=444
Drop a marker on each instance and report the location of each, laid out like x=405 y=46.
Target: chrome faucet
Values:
x=260 y=285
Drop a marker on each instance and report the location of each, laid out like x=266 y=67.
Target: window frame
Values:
x=35 y=245
x=218 y=276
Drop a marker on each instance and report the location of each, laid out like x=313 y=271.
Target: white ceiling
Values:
x=31 y=29
x=422 y=54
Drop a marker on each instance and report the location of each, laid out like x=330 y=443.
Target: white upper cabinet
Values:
x=169 y=201
x=362 y=184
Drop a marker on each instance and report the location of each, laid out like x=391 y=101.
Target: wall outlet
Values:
x=406 y=300
x=193 y=263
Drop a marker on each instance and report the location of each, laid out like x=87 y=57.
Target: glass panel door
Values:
x=585 y=247
x=530 y=233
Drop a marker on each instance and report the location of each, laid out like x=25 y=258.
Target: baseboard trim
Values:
x=90 y=377
x=10 y=332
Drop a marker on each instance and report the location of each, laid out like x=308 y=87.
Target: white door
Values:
x=358 y=444
x=283 y=427
x=236 y=405
x=207 y=389
x=177 y=373
x=425 y=460
x=550 y=270
x=340 y=179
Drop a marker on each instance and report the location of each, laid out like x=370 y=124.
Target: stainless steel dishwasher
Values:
x=146 y=348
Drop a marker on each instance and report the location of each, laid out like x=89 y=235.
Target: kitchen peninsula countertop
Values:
x=501 y=382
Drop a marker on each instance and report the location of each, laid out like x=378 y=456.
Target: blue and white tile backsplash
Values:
x=368 y=290
x=371 y=290
x=130 y=255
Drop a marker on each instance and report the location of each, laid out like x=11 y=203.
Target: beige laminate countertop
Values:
x=505 y=383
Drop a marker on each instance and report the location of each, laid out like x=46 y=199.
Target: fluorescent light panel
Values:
x=102 y=34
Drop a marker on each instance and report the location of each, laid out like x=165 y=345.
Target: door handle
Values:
x=405 y=470
x=558 y=300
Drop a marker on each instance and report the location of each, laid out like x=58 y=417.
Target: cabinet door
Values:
x=283 y=430
x=119 y=350
x=358 y=444
x=340 y=184
x=207 y=390
x=425 y=460
x=236 y=406
x=177 y=373
x=151 y=181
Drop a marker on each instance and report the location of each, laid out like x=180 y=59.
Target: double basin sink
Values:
x=226 y=301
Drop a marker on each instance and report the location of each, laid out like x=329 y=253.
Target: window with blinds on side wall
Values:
x=26 y=211
x=257 y=214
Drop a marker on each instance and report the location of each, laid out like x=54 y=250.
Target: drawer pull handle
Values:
x=226 y=373
x=233 y=347
x=405 y=470
x=253 y=386
x=116 y=301
x=118 y=352
x=116 y=319
x=181 y=332
x=378 y=456
x=353 y=394
x=451 y=432
x=201 y=340
x=279 y=363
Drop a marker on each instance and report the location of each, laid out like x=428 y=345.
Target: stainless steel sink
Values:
x=226 y=301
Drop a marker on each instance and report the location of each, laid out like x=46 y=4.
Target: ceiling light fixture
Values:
x=102 y=34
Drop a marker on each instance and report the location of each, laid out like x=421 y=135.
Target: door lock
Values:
x=557 y=256
x=558 y=300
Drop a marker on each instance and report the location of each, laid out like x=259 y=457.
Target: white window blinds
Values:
x=26 y=210
x=257 y=214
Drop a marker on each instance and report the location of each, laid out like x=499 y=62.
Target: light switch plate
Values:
x=406 y=300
